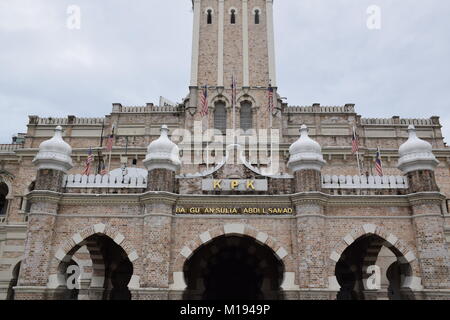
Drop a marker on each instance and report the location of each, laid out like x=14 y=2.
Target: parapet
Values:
x=317 y=108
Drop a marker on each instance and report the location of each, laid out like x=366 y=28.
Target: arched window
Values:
x=246 y=116
x=209 y=17
x=257 y=16
x=220 y=117
x=233 y=16
x=3 y=201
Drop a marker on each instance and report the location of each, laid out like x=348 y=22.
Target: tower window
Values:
x=220 y=117
x=209 y=17
x=246 y=116
x=233 y=16
x=257 y=16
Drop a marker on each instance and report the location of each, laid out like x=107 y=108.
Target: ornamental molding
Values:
x=243 y=201
x=44 y=196
x=426 y=198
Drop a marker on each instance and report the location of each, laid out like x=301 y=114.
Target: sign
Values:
x=242 y=185
x=234 y=210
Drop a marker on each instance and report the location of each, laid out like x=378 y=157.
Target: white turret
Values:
x=416 y=154
x=163 y=153
x=305 y=153
x=54 y=153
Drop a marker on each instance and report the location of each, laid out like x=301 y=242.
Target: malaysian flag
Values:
x=204 y=101
x=88 y=164
x=355 y=143
x=270 y=98
x=378 y=163
x=103 y=170
x=110 y=142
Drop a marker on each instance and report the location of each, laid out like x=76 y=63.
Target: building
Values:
x=185 y=213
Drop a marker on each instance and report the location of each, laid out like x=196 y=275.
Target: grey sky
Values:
x=134 y=51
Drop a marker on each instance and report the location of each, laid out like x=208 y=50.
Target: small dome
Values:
x=54 y=153
x=416 y=154
x=163 y=153
x=305 y=153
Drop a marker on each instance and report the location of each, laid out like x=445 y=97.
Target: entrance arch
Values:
x=233 y=267
x=352 y=270
x=110 y=270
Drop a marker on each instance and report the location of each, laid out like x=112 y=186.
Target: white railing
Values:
x=364 y=182
x=106 y=181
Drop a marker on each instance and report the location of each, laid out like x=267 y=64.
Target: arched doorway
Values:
x=109 y=275
x=233 y=267
x=351 y=270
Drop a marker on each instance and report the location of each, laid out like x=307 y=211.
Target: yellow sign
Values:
x=225 y=210
x=240 y=185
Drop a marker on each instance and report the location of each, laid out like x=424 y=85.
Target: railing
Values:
x=65 y=121
x=364 y=182
x=2 y=219
x=106 y=181
x=10 y=147
x=148 y=109
x=320 y=109
x=390 y=121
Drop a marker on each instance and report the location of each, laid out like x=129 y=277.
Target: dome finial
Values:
x=305 y=153
x=416 y=154
x=163 y=153
x=54 y=153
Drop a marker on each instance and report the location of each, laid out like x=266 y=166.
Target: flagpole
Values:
x=110 y=151
x=271 y=107
x=357 y=152
x=207 y=126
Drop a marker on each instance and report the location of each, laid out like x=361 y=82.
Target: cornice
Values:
x=168 y=198
x=99 y=199
x=426 y=197
x=159 y=197
x=44 y=196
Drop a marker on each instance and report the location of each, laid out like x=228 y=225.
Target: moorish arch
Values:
x=110 y=266
x=233 y=238
x=360 y=249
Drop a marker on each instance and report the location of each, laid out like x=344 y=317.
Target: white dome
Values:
x=54 y=153
x=416 y=154
x=305 y=153
x=163 y=153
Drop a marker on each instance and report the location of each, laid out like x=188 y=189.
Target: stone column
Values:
x=53 y=161
x=418 y=163
x=432 y=248
x=157 y=239
x=312 y=254
x=162 y=163
x=306 y=162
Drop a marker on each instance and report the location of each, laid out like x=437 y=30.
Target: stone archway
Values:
x=106 y=262
x=287 y=282
x=233 y=267
x=368 y=246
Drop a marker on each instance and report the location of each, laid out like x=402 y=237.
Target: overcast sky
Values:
x=134 y=51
